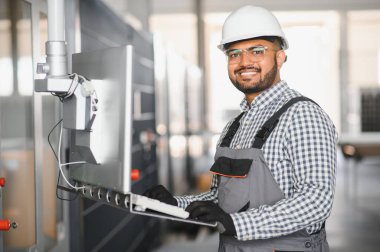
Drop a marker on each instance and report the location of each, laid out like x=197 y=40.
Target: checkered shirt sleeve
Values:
x=212 y=195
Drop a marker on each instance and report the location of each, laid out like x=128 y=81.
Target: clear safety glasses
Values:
x=255 y=53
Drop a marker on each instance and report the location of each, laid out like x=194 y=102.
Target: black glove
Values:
x=208 y=211
x=160 y=193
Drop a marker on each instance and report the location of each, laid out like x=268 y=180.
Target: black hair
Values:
x=274 y=39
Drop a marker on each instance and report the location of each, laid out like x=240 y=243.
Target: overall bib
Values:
x=245 y=182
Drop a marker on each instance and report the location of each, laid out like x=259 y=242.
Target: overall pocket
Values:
x=234 y=183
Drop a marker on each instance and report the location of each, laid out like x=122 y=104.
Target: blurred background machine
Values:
x=370 y=109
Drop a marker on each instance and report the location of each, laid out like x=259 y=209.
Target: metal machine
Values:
x=101 y=134
x=100 y=101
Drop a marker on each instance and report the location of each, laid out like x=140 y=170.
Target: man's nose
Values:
x=245 y=59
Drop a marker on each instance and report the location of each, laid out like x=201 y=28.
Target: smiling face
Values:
x=252 y=75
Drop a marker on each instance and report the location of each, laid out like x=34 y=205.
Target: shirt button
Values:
x=307 y=244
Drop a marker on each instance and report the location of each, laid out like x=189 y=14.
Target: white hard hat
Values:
x=251 y=22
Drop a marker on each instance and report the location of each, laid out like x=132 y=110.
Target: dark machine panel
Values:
x=370 y=110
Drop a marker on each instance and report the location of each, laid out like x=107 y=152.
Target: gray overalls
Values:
x=246 y=182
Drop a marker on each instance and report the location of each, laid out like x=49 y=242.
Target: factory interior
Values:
x=167 y=120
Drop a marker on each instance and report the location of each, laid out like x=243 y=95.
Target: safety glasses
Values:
x=255 y=53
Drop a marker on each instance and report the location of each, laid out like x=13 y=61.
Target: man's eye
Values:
x=258 y=51
x=234 y=54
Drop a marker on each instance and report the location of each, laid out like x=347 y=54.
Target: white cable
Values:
x=60 y=165
x=72 y=87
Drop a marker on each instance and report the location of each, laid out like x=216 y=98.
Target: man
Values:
x=274 y=170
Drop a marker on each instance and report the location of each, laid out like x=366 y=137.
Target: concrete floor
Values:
x=354 y=224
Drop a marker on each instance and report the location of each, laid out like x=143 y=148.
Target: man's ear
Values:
x=281 y=58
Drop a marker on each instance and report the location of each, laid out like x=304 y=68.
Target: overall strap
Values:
x=263 y=134
x=231 y=131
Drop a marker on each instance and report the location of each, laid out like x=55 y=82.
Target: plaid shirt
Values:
x=300 y=153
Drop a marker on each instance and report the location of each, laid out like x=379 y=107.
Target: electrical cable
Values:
x=62 y=95
x=67 y=94
x=60 y=164
x=75 y=79
x=79 y=80
x=59 y=173
x=51 y=131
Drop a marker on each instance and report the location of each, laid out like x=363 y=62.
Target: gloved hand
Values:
x=160 y=193
x=208 y=211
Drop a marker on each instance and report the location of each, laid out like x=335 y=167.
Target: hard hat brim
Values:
x=222 y=44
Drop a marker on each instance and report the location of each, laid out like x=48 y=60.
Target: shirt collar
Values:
x=266 y=97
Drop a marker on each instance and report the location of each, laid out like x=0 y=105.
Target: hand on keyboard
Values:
x=208 y=211
x=160 y=193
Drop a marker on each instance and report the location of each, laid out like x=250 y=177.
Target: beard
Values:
x=255 y=87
